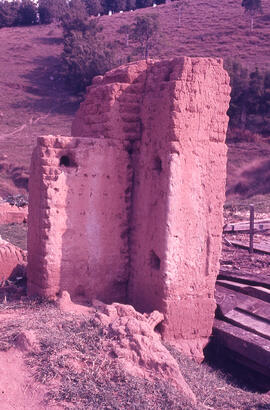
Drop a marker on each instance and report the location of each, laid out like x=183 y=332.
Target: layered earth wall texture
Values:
x=129 y=209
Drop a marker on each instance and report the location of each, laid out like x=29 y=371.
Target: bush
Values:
x=145 y=31
x=250 y=98
x=85 y=53
x=27 y=14
x=75 y=18
x=45 y=11
x=8 y=13
x=93 y=7
x=50 y=10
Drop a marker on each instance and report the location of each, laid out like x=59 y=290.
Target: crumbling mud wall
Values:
x=157 y=129
x=12 y=261
x=78 y=218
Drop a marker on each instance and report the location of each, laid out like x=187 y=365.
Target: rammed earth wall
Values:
x=130 y=208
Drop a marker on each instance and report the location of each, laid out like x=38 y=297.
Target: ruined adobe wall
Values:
x=78 y=218
x=178 y=197
x=168 y=121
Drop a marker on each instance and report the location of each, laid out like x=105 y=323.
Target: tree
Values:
x=125 y=29
x=50 y=10
x=131 y=5
x=76 y=17
x=252 y=7
x=140 y=4
x=145 y=31
x=8 y=13
x=93 y=7
x=239 y=82
x=27 y=13
x=181 y=6
x=45 y=11
x=85 y=54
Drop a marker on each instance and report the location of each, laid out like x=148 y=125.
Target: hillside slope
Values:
x=34 y=100
x=208 y=28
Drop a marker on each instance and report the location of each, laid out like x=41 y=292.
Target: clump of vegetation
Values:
x=50 y=10
x=27 y=13
x=252 y=7
x=145 y=31
x=18 y=14
x=86 y=54
x=250 y=98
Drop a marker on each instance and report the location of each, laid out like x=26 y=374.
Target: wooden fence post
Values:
x=251 y=228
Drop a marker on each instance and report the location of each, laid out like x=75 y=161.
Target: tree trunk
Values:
x=243 y=117
x=251 y=23
x=146 y=51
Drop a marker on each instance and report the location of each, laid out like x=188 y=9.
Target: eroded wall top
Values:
x=130 y=208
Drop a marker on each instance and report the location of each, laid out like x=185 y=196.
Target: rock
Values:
x=12 y=260
x=65 y=304
x=132 y=340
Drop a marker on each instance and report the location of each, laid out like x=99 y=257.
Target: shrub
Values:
x=94 y=7
x=8 y=13
x=50 y=10
x=75 y=18
x=250 y=97
x=85 y=53
x=27 y=13
x=145 y=30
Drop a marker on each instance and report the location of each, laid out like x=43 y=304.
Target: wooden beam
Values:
x=252 y=279
x=251 y=349
x=244 y=226
x=261 y=247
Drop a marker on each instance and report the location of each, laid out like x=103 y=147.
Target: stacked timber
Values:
x=242 y=324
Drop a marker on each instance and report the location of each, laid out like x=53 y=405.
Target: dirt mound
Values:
x=134 y=344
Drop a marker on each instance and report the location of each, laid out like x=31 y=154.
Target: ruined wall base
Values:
x=130 y=209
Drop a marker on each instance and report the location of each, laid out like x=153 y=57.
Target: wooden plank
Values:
x=248 y=322
x=256 y=308
x=258 y=292
x=227 y=300
x=252 y=279
x=261 y=248
x=244 y=226
x=252 y=350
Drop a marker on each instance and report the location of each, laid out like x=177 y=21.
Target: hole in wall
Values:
x=64 y=160
x=154 y=260
x=67 y=161
x=157 y=164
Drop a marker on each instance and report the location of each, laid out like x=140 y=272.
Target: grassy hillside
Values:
x=34 y=100
x=216 y=28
